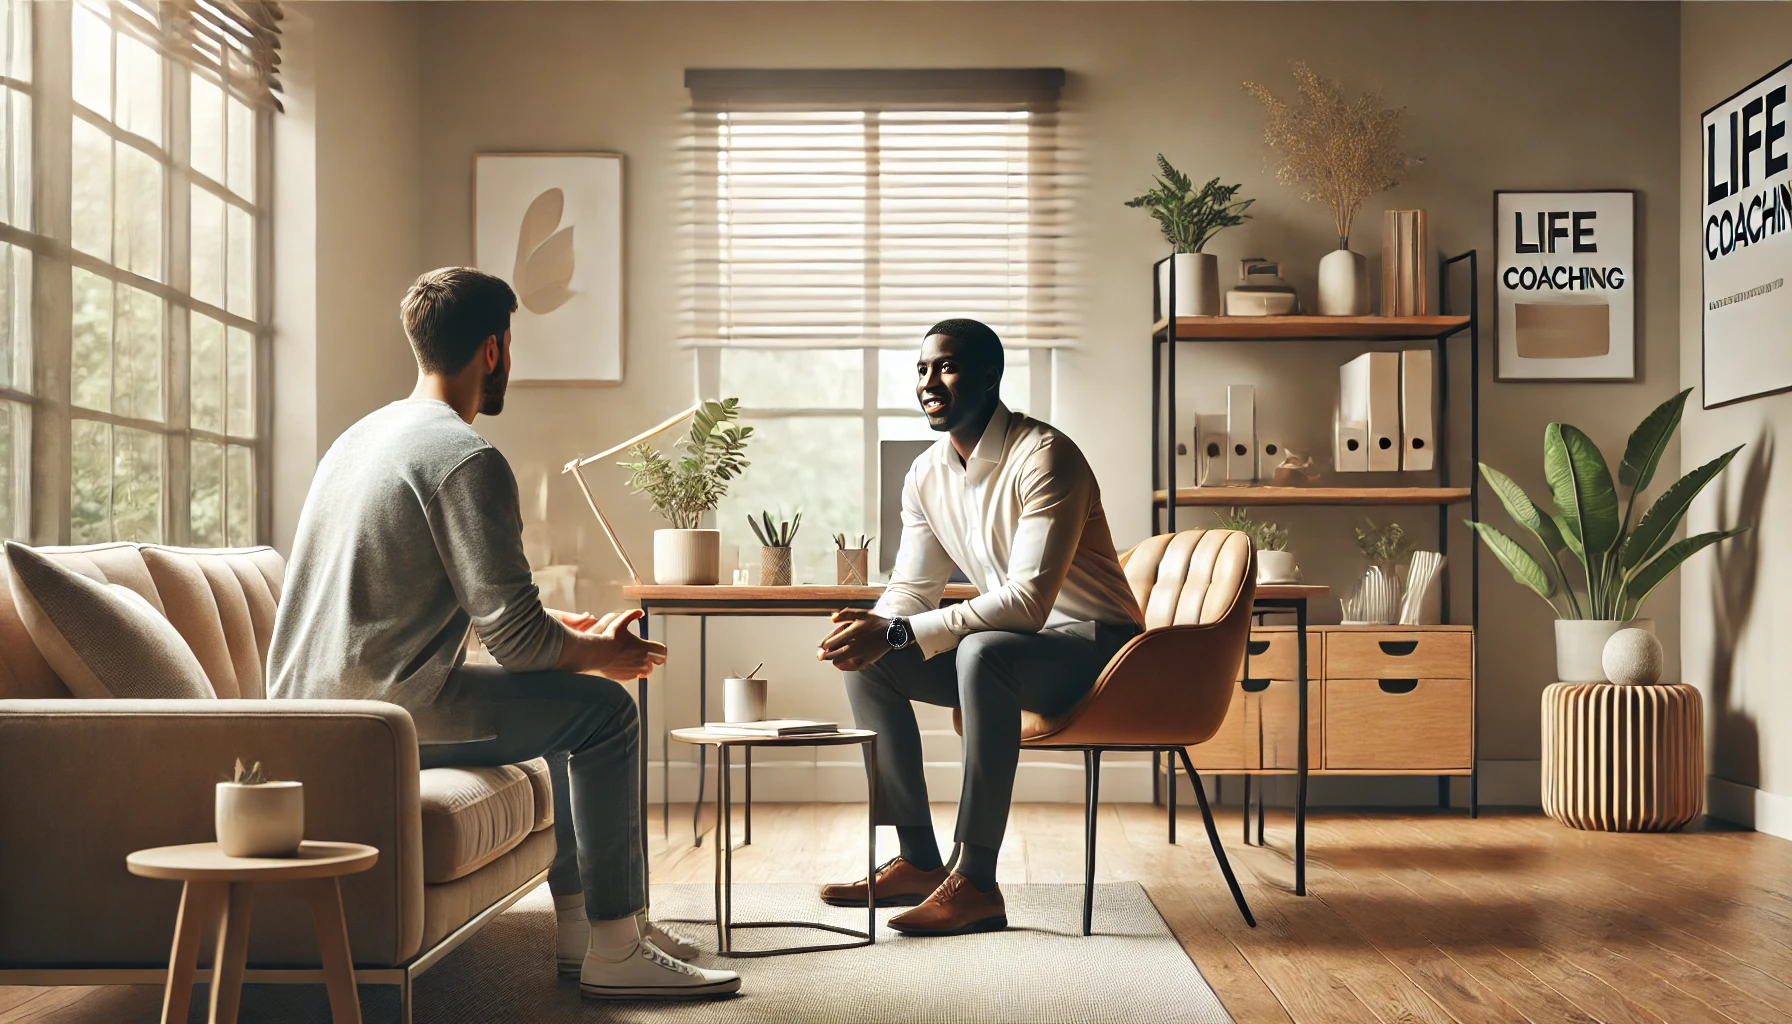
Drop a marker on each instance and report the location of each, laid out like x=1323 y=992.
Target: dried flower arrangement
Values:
x=1340 y=151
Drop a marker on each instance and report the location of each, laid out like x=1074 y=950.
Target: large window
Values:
x=832 y=224
x=136 y=408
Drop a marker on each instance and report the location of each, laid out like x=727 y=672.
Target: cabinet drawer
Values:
x=1275 y=654
x=1398 y=655
x=1226 y=749
x=1278 y=717
x=1393 y=724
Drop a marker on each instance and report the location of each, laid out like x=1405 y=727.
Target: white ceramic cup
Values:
x=743 y=700
x=265 y=820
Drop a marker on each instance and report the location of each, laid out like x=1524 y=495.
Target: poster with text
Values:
x=1565 y=286
x=1745 y=242
x=551 y=225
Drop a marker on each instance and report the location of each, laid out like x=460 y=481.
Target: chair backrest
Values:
x=1190 y=578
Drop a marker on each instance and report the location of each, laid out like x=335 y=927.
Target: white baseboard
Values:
x=1745 y=805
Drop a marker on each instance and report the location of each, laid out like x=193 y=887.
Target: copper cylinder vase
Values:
x=1623 y=758
x=852 y=566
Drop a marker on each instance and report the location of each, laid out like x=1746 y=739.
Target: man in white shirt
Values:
x=1011 y=502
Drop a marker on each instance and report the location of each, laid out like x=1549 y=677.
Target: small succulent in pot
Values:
x=774 y=547
x=259 y=817
x=1275 y=563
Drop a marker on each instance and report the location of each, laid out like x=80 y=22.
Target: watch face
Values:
x=898 y=633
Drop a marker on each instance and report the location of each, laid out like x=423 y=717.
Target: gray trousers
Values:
x=589 y=730
x=991 y=677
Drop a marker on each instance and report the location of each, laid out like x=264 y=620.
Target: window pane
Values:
x=90 y=191
x=139 y=88
x=137 y=355
x=18 y=160
x=93 y=62
x=241 y=142
x=90 y=483
x=15 y=317
x=137 y=243
x=239 y=493
x=12 y=440
x=207 y=127
x=240 y=277
x=906 y=428
x=239 y=390
x=794 y=379
x=136 y=485
x=206 y=362
x=91 y=372
x=207 y=502
x=896 y=375
x=208 y=247
x=812 y=465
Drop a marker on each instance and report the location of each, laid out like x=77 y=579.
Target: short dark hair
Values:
x=981 y=343
x=448 y=314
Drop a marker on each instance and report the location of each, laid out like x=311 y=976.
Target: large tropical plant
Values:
x=1191 y=218
x=1622 y=560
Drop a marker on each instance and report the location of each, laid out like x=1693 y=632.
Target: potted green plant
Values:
x=1621 y=558
x=1275 y=563
x=774 y=547
x=682 y=491
x=1189 y=220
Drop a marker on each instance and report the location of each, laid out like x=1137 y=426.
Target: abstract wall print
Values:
x=1745 y=242
x=551 y=225
x=1565 y=285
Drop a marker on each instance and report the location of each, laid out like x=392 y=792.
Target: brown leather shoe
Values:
x=955 y=908
x=899 y=884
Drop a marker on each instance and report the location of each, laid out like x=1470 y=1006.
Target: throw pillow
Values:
x=103 y=639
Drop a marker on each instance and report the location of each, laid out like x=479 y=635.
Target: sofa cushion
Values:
x=222 y=601
x=23 y=671
x=103 y=639
x=448 y=905
x=542 y=784
x=471 y=817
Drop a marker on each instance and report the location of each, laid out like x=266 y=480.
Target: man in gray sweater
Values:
x=412 y=532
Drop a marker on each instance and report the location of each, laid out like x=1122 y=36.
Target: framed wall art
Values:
x=1745 y=242
x=551 y=225
x=1564 y=286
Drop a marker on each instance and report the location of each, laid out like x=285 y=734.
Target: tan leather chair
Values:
x=1170 y=686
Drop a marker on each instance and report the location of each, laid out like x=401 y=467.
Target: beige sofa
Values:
x=85 y=782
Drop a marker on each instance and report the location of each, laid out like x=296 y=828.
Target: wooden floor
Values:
x=1411 y=917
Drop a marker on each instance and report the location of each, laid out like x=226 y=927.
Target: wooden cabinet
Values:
x=1421 y=725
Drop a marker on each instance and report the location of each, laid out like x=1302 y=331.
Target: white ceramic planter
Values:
x=683 y=558
x=1344 y=284
x=1580 y=647
x=265 y=820
x=1275 y=567
x=1197 y=284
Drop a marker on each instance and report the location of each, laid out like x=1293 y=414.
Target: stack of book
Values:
x=772 y=727
x=1405 y=264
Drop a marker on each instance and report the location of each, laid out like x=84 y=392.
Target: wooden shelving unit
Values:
x=1314 y=328
x=1262 y=496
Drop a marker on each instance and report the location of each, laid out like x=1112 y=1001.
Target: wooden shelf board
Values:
x=1253 y=496
x=1313 y=328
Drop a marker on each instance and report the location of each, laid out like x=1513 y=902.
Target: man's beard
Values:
x=491 y=392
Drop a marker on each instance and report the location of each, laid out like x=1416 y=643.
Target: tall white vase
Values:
x=1344 y=284
x=1197 y=285
x=1580 y=647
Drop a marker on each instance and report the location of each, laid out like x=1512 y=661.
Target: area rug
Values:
x=1041 y=969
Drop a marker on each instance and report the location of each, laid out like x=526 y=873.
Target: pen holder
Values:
x=774 y=567
x=852 y=564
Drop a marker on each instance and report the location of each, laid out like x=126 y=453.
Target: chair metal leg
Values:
x=1092 y=799
x=1246 y=808
x=1157 y=782
x=1173 y=770
x=1213 y=836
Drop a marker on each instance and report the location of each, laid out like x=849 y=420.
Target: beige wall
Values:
x=1734 y=645
x=1498 y=96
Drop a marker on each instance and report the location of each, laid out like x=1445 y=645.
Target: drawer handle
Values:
x=1254 y=685
x=1398 y=648
x=1256 y=647
x=1398 y=685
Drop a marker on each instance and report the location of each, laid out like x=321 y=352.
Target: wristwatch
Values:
x=899 y=634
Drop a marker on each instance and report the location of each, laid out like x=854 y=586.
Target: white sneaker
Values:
x=649 y=973
x=574 y=936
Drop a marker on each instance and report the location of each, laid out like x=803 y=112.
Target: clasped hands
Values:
x=860 y=637
x=627 y=656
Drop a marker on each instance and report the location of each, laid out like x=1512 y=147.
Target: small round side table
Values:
x=1619 y=758
x=724 y=742
x=221 y=889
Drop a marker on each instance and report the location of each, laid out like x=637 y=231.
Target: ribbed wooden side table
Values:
x=1623 y=758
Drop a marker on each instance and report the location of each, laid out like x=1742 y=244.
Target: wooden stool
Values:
x=221 y=889
x=1623 y=758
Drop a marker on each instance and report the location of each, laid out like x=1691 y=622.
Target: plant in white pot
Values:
x=1275 y=563
x=1189 y=220
x=1341 y=152
x=258 y=817
x=682 y=491
x=1621 y=559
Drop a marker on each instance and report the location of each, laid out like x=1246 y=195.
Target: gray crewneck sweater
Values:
x=411 y=531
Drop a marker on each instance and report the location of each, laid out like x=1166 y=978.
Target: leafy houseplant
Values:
x=1386 y=546
x=713 y=454
x=1621 y=559
x=774 y=547
x=256 y=817
x=1275 y=563
x=1189 y=219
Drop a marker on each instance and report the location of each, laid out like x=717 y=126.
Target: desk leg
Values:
x=199 y=903
x=641 y=734
x=1300 y=788
x=231 y=953
x=1172 y=788
x=665 y=753
x=702 y=718
x=748 y=839
x=1157 y=791
x=325 y=897
x=1246 y=807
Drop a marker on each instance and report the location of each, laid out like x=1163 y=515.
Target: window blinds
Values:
x=849 y=209
x=239 y=39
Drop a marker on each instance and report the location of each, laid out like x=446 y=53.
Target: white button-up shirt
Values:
x=1023 y=519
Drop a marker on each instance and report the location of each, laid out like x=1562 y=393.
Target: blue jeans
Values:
x=589 y=730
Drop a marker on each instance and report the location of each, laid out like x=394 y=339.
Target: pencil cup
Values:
x=774 y=567
x=743 y=700
x=852 y=564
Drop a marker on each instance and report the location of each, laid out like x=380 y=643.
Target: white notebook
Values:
x=772 y=727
